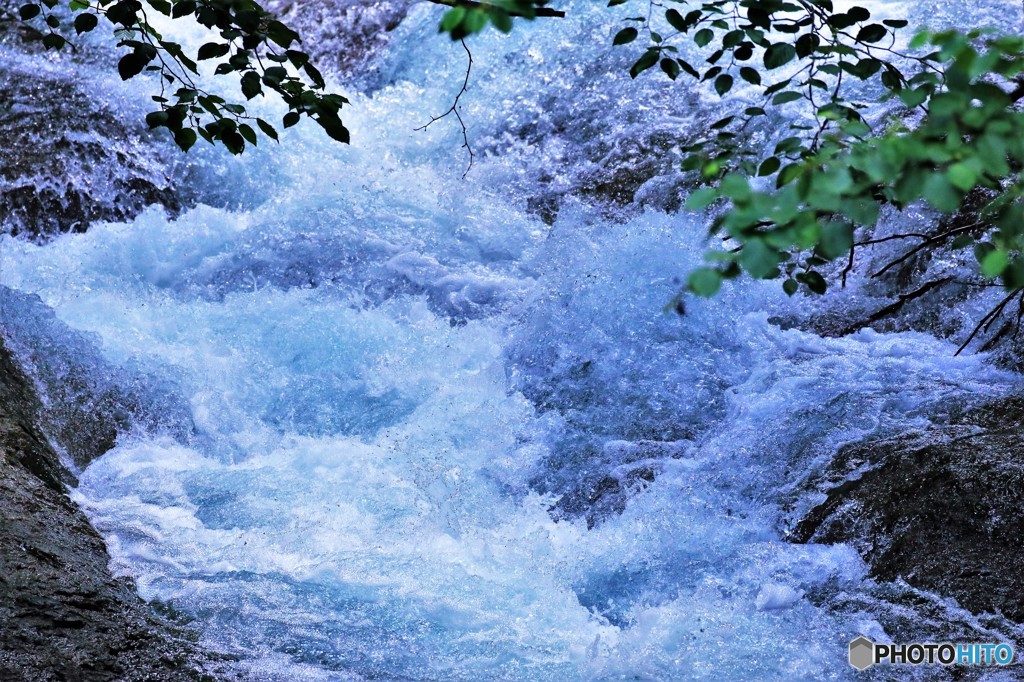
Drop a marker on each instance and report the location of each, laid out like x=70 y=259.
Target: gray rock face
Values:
x=63 y=615
x=941 y=510
x=69 y=158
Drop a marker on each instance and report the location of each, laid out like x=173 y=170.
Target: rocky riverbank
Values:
x=65 y=617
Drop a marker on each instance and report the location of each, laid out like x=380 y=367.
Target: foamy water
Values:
x=427 y=436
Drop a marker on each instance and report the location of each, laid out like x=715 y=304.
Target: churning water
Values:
x=400 y=428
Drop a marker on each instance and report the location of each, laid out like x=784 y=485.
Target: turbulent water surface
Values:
x=390 y=424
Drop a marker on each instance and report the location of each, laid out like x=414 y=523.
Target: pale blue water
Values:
x=385 y=391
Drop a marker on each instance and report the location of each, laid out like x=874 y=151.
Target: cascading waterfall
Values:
x=409 y=431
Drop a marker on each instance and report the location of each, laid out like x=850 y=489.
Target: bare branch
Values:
x=989 y=318
x=454 y=109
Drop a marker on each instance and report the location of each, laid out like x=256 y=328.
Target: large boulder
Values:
x=942 y=509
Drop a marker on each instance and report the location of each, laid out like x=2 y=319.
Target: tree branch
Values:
x=989 y=318
x=538 y=11
x=454 y=109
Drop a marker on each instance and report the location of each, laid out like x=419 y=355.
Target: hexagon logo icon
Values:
x=862 y=653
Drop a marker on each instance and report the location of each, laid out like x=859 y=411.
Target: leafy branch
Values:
x=250 y=43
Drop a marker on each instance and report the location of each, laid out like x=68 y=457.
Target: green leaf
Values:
x=788 y=175
x=131 y=65
x=670 y=67
x=234 y=142
x=807 y=44
x=703 y=37
x=705 y=282
x=452 y=19
x=723 y=84
x=267 y=129
x=27 y=12
x=676 y=20
x=735 y=186
x=836 y=239
x=85 y=23
x=778 y=54
x=814 y=281
x=246 y=131
x=790 y=286
x=475 y=21
x=646 y=61
x=626 y=35
x=940 y=193
x=914 y=97
x=701 y=199
x=872 y=33
x=982 y=249
x=155 y=119
x=183 y=8
x=212 y=50
x=53 y=41
x=185 y=138
x=314 y=75
x=290 y=119
x=962 y=176
x=274 y=75
x=769 y=166
x=333 y=127
x=750 y=75
x=685 y=65
x=281 y=34
x=501 y=19
x=251 y=84
x=994 y=263
x=758 y=259
x=786 y=97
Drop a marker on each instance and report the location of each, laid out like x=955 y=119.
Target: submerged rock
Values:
x=942 y=509
x=65 y=617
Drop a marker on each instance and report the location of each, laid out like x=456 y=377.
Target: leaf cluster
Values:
x=959 y=131
x=249 y=43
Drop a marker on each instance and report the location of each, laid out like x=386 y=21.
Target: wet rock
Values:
x=942 y=509
x=88 y=402
x=613 y=475
x=69 y=157
x=65 y=617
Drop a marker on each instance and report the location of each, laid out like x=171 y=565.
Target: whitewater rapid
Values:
x=400 y=428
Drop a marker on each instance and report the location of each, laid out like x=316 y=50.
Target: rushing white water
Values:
x=407 y=431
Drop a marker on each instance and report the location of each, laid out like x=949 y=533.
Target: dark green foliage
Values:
x=832 y=178
x=249 y=42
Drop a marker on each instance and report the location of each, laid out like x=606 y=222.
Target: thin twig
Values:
x=454 y=109
x=849 y=264
x=925 y=244
x=986 y=321
x=895 y=307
